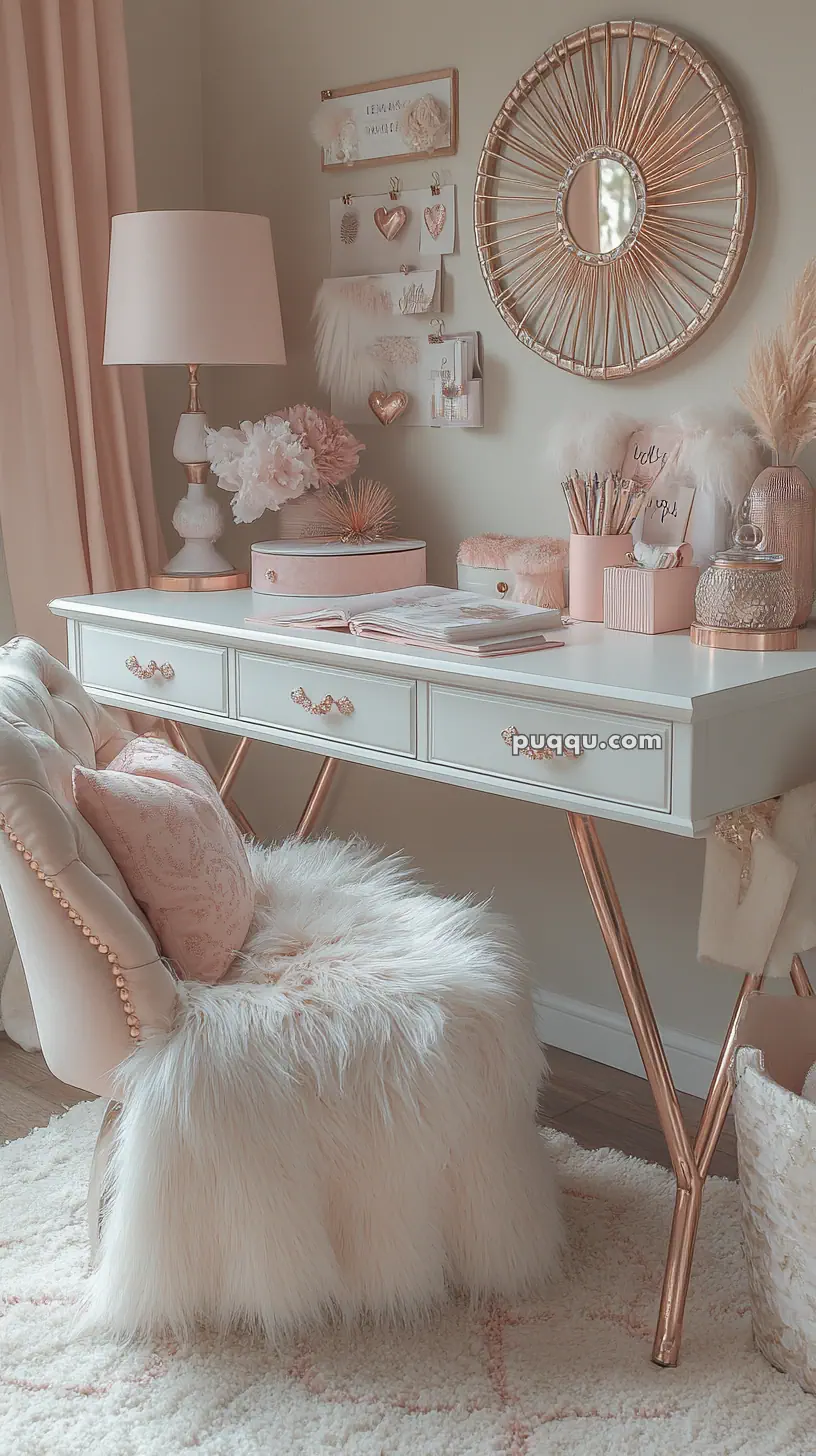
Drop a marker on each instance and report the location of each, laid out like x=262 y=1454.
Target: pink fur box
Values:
x=336 y=568
x=637 y=599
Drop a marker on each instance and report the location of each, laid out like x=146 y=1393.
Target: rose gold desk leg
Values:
x=618 y=942
x=718 y=1100
x=690 y=1165
x=799 y=976
x=179 y=741
x=230 y=773
x=317 y=797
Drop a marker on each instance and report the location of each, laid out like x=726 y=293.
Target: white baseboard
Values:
x=606 y=1036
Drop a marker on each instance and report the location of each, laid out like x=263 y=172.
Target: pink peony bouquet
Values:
x=267 y=462
x=336 y=451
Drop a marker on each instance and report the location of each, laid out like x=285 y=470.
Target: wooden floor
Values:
x=29 y=1095
x=598 y=1106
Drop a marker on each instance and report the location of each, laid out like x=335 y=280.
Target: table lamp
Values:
x=193 y=288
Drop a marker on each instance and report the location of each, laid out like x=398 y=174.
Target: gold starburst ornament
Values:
x=358 y=512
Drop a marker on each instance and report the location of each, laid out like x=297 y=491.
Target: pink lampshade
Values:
x=192 y=288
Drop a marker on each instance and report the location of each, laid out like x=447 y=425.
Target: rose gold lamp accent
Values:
x=193 y=288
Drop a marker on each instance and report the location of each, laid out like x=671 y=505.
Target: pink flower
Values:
x=336 y=451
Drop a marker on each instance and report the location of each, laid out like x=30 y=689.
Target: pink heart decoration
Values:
x=390 y=221
x=435 y=218
x=388 y=407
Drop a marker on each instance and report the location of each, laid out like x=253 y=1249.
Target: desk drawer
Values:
x=466 y=732
x=374 y=712
x=194 y=676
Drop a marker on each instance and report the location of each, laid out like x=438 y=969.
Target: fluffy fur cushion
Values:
x=345 y=1126
x=175 y=843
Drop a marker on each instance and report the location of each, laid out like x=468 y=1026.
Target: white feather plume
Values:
x=588 y=442
x=717 y=454
x=347 y=321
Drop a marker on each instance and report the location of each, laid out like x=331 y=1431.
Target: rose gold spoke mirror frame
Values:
x=640 y=98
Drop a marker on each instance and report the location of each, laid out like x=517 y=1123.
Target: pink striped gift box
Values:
x=638 y=599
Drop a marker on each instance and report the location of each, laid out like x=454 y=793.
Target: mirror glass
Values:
x=600 y=205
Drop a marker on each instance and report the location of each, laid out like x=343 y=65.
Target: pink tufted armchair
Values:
x=96 y=978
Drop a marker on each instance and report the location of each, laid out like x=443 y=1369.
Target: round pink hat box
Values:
x=336 y=568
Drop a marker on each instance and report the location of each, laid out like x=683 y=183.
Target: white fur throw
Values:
x=346 y=1128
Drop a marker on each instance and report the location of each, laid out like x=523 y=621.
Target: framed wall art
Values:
x=402 y=120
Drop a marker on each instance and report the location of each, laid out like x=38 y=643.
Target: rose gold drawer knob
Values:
x=502 y=587
x=133 y=665
x=343 y=705
x=510 y=735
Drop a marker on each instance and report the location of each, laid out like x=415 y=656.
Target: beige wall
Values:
x=164 y=50
x=263 y=65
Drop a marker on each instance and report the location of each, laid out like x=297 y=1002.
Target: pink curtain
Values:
x=77 y=512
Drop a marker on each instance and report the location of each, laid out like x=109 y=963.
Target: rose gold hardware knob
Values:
x=508 y=734
x=502 y=588
x=133 y=665
x=343 y=705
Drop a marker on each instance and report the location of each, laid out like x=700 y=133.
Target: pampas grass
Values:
x=780 y=391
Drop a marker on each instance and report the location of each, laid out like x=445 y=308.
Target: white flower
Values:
x=264 y=463
x=424 y=124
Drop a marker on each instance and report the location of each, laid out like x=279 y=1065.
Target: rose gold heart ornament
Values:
x=388 y=407
x=435 y=218
x=390 y=221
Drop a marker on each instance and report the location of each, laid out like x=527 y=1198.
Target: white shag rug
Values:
x=568 y=1375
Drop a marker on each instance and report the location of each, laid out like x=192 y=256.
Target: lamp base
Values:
x=198 y=566
x=200 y=581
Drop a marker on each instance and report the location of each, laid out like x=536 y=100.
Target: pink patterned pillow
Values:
x=174 y=841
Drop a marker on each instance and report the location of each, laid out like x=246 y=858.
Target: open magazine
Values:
x=424 y=616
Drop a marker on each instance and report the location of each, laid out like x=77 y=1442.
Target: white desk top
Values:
x=665 y=671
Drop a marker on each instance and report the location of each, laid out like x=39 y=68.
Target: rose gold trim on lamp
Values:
x=193 y=406
x=203 y=582
x=317 y=797
x=744 y=639
x=690 y=1163
x=197 y=472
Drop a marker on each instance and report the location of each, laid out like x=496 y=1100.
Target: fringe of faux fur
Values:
x=347 y=1128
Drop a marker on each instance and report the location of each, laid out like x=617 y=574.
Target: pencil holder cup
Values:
x=588 y=557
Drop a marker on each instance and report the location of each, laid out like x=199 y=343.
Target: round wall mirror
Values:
x=614 y=200
x=600 y=205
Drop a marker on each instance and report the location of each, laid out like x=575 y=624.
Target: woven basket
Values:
x=776 y=1144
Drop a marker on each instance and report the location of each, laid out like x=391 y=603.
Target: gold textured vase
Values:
x=783 y=503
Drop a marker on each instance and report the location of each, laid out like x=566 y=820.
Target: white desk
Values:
x=730 y=728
